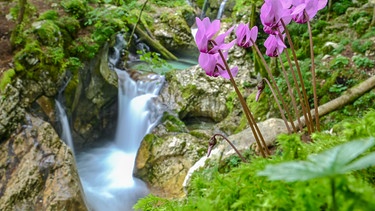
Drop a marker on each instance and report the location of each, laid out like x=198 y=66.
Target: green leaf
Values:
x=290 y=171
x=362 y=163
x=332 y=162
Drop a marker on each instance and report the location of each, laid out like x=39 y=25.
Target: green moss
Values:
x=242 y=125
x=35 y=60
x=231 y=99
x=149 y=138
x=6 y=78
x=200 y=134
x=24 y=59
x=70 y=90
x=48 y=33
x=173 y=123
x=84 y=48
x=77 y=8
x=189 y=90
x=69 y=27
x=49 y=15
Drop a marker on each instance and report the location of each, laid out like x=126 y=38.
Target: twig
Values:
x=136 y=24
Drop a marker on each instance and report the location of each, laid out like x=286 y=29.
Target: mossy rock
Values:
x=76 y=8
x=173 y=123
x=48 y=33
x=6 y=78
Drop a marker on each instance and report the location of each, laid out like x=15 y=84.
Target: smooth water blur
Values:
x=107 y=178
x=66 y=135
x=107 y=172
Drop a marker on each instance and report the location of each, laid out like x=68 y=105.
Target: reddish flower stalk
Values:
x=253 y=125
x=278 y=105
x=290 y=90
x=213 y=142
x=308 y=118
x=296 y=86
x=280 y=97
x=313 y=77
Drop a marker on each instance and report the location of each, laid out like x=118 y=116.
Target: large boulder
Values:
x=243 y=140
x=163 y=162
x=10 y=112
x=191 y=94
x=172 y=29
x=194 y=104
x=93 y=108
x=37 y=171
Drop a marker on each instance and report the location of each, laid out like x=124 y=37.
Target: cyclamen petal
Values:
x=305 y=10
x=274 y=45
x=208 y=63
x=271 y=14
x=214 y=66
x=206 y=33
x=246 y=37
x=224 y=73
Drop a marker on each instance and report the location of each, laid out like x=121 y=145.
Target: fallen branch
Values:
x=155 y=44
x=349 y=96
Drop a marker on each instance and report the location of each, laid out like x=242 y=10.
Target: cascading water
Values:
x=66 y=135
x=106 y=172
x=221 y=9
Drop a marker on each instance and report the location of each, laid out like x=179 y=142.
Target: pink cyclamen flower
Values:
x=274 y=45
x=214 y=66
x=272 y=12
x=246 y=37
x=206 y=38
x=305 y=10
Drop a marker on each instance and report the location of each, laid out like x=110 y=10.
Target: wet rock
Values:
x=173 y=30
x=37 y=171
x=191 y=93
x=163 y=162
x=11 y=114
x=94 y=106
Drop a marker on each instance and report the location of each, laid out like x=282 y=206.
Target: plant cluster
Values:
x=332 y=173
x=275 y=16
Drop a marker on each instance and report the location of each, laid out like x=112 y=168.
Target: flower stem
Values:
x=213 y=138
x=313 y=77
x=308 y=120
x=290 y=90
x=278 y=105
x=275 y=85
x=253 y=125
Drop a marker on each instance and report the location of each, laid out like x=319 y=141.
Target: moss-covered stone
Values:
x=173 y=123
x=6 y=78
x=48 y=33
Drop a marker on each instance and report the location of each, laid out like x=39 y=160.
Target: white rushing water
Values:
x=221 y=9
x=66 y=135
x=107 y=172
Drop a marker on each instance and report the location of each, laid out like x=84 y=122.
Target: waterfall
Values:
x=221 y=9
x=106 y=172
x=115 y=56
x=66 y=135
